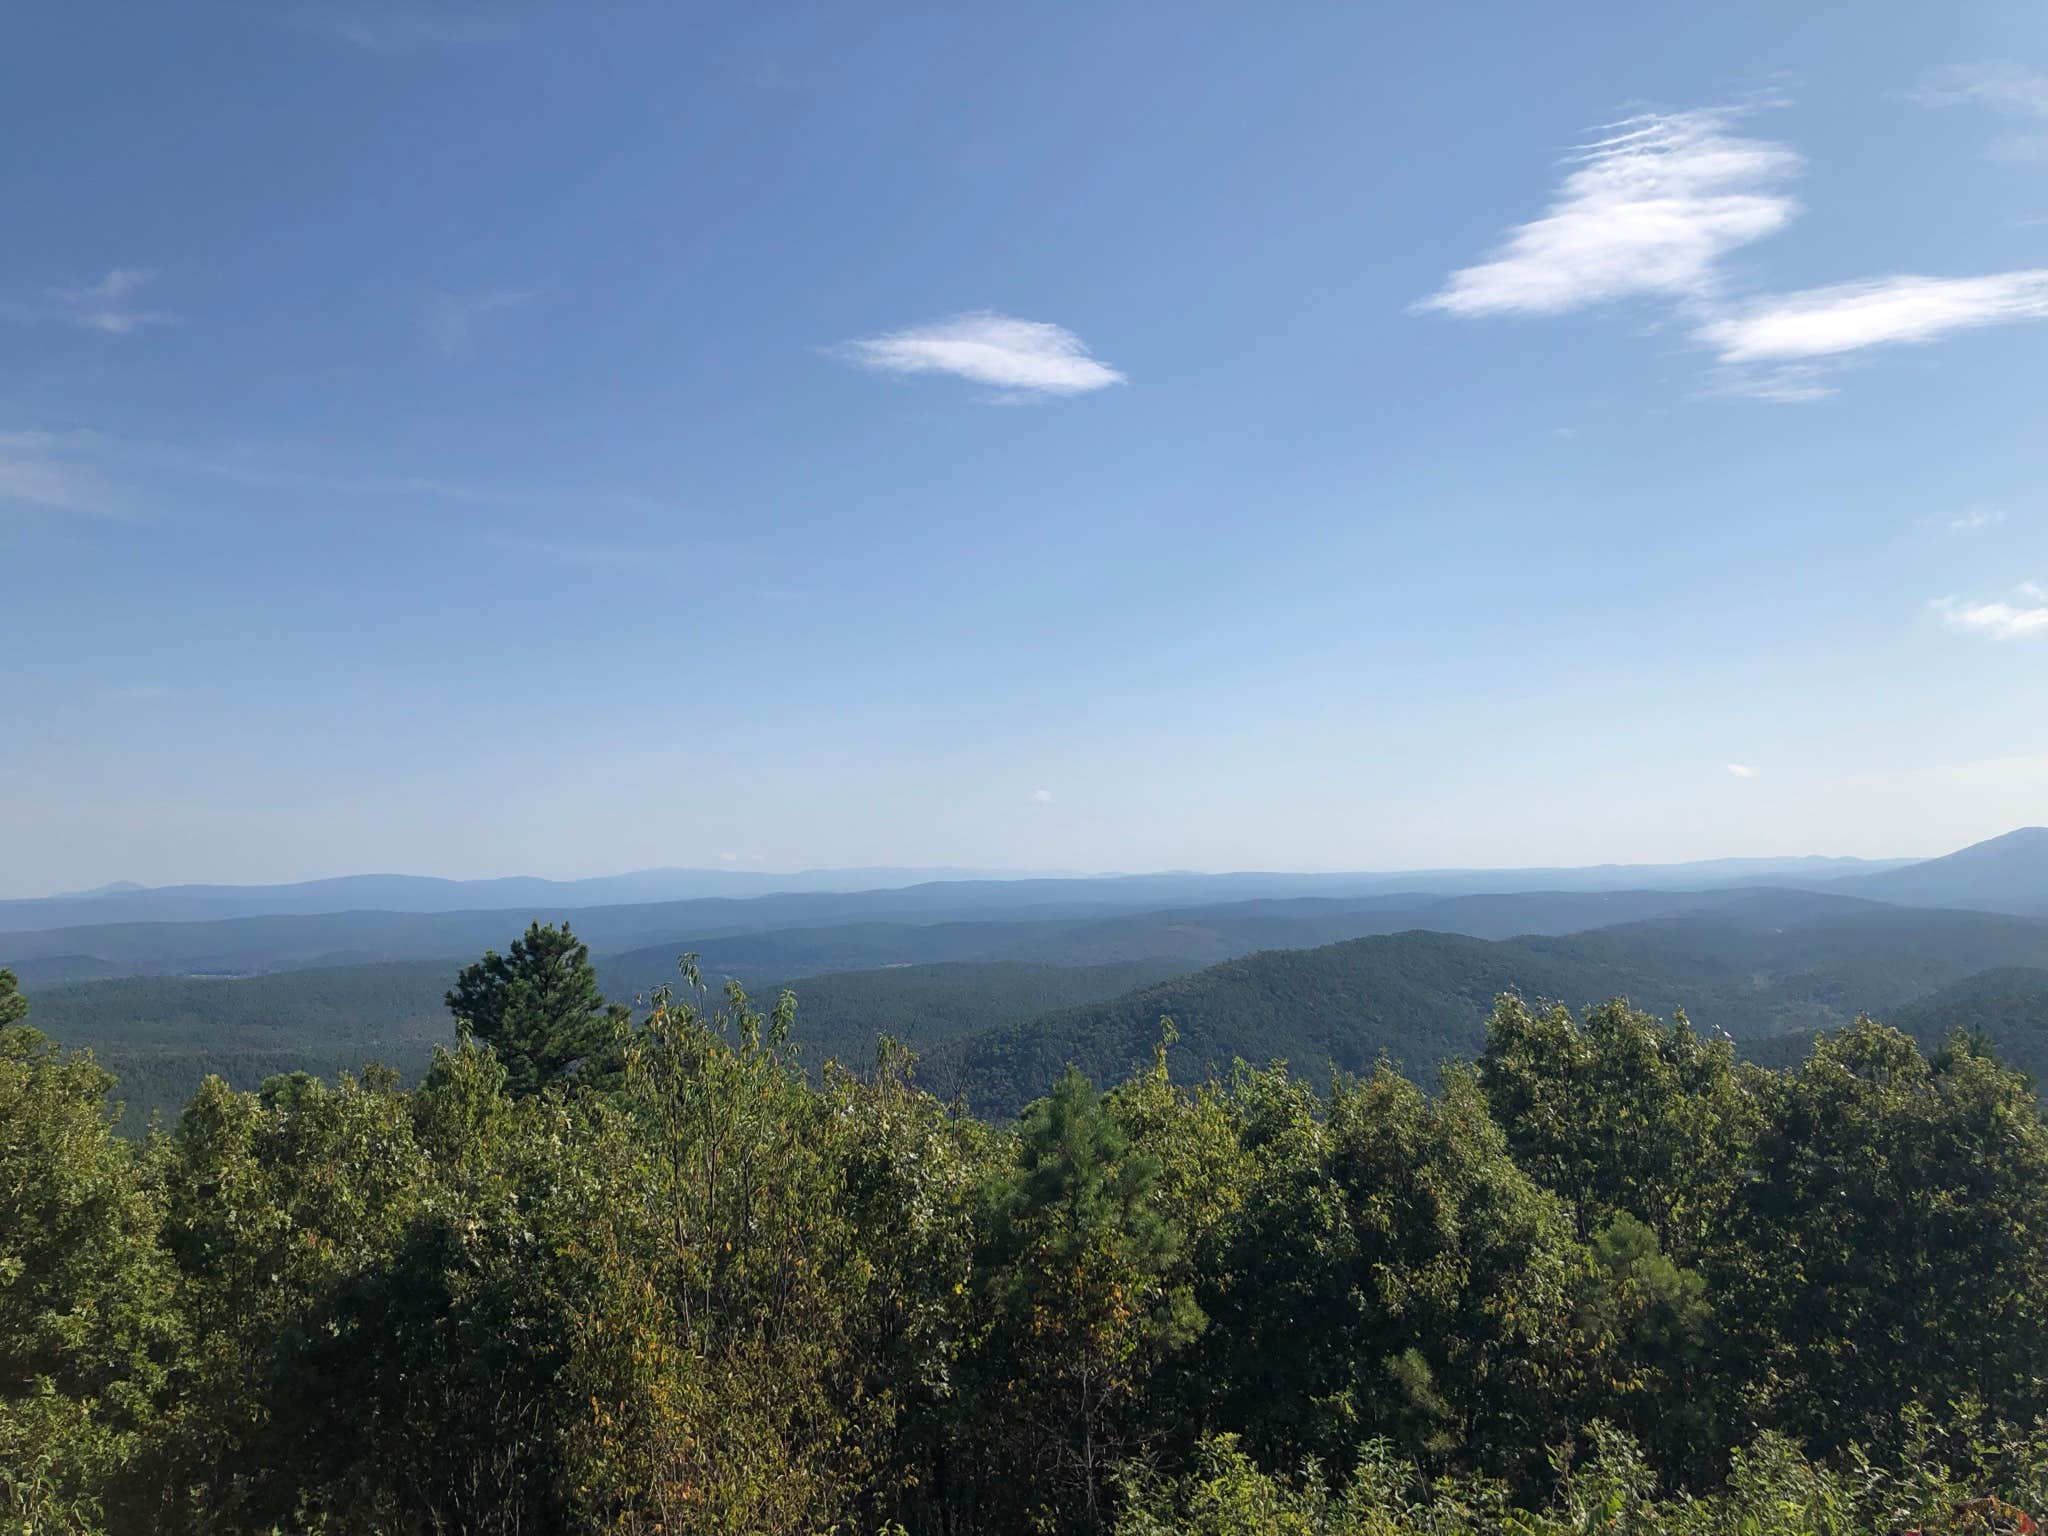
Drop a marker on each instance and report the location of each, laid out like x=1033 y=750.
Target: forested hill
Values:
x=163 y=1035
x=1756 y=964
x=1420 y=997
x=2007 y=1007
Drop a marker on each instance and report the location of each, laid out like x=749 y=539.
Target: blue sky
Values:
x=560 y=439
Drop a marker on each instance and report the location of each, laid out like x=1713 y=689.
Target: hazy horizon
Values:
x=972 y=873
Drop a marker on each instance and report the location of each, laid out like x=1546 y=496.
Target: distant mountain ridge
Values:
x=2000 y=874
x=126 y=902
x=1001 y=1000
x=1063 y=923
x=1189 y=917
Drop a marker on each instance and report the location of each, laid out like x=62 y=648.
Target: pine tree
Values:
x=540 y=1010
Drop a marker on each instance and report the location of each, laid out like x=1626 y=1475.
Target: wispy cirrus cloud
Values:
x=2006 y=89
x=53 y=471
x=110 y=305
x=1655 y=207
x=1022 y=357
x=451 y=317
x=1884 y=311
x=1741 y=771
x=1966 y=521
x=1649 y=209
x=2000 y=619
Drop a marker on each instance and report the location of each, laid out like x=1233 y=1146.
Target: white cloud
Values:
x=1655 y=207
x=1847 y=317
x=1040 y=797
x=1999 y=84
x=1650 y=209
x=1789 y=384
x=2000 y=620
x=1026 y=356
x=105 y=305
x=2006 y=89
x=44 y=469
x=1967 y=520
x=1741 y=770
x=450 y=317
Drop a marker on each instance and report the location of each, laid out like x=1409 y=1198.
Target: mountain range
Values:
x=1000 y=982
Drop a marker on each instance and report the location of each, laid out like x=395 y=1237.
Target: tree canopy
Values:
x=648 y=1275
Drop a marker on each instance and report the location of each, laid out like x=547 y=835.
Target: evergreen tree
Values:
x=539 y=1008
x=1078 y=1271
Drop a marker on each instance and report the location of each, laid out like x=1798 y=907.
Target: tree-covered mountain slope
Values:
x=1420 y=997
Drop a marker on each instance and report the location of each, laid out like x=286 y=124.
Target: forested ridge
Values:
x=642 y=1272
x=998 y=1029
x=163 y=1035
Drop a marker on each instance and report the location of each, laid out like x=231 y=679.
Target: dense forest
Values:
x=163 y=1035
x=638 y=1271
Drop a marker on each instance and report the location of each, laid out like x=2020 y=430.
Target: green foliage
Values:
x=1915 y=1200
x=1077 y=1283
x=1622 y=1115
x=539 y=1008
x=1604 y=1281
x=1771 y=1490
x=1392 y=1273
x=85 y=1327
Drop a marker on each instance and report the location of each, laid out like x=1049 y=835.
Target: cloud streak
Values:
x=451 y=317
x=1025 y=357
x=2007 y=90
x=107 y=305
x=1999 y=620
x=41 y=469
x=1968 y=521
x=1741 y=771
x=1885 y=311
x=1650 y=209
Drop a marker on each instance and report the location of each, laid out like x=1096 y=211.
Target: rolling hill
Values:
x=1421 y=997
x=2007 y=1005
x=162 y=1035
x=1000 y=982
